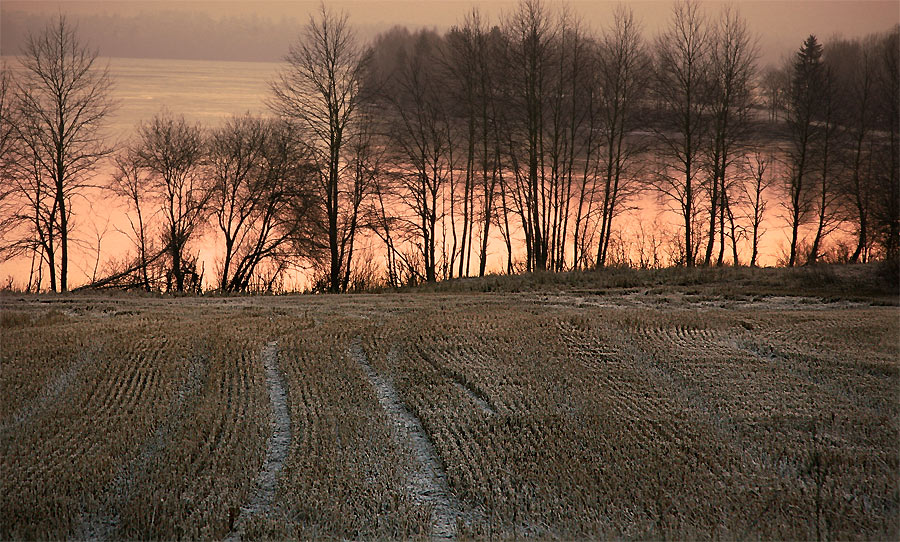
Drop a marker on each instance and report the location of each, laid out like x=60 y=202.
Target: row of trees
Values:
x=249 y=178
x=535 y=134
x=842 y=127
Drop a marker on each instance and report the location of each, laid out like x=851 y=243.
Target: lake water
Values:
x=204 y=91
x=208 y=92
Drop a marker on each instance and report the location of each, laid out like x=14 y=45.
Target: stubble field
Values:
x=630 y=413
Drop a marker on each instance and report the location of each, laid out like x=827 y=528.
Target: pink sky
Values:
x=265 y=28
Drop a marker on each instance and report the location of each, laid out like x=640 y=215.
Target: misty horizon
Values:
x=263 y=31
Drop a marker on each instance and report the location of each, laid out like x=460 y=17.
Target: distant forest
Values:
x=530 y=136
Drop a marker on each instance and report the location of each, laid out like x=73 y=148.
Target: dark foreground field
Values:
x=675 y=408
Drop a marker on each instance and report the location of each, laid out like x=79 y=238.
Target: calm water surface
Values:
x=203 y=91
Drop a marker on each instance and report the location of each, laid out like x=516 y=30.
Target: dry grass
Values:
x=341 y=478
x=863 y=282
x=651 y=411
x=648 y=424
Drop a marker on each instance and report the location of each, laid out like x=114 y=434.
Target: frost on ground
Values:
x=103 y=524
x=277 y=448
x=427 y=484
x=51 y=391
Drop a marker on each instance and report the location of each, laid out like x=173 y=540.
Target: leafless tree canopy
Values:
x=422 y=156
x=59 y=101
x=321 y=92
x=170 y=151
x=261 y=194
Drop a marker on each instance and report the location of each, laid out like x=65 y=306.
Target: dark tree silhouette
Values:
x=171 y=153
x=321 y=91
x=624 y=72
x=683 y=88
x=732 y=72
x=804 y=110
x=886 y=215
x=61 y=101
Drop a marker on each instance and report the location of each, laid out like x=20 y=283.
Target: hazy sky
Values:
x=249 y=30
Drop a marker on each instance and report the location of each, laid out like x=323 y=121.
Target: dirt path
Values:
x=277 y=449
x=427 y=484
x=103 y=524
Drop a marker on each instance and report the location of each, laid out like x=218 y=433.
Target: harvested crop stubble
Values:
x=32 y=373
x=68 y=450
x=129 y=447
x=342 y=477
x=569 y=419
x=815 y=428
x=644 y=423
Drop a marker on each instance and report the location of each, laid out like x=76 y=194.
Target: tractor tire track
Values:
x=278 y=446
x=427 y=485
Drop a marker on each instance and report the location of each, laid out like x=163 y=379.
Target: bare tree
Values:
x=774 y=85
x=804 y=110
x=757 y=167
x=563 y=130
x=860 y=83
x=420 y=124
x=171 y=152
x=853 y=64
x=261 y=198
x=8 y=153
x=321 y=90
x=461 y=58
x=732 y=70
x=27 y=199
x=30 y=208
x=61 y=101
x=886 y=211
x=624 y=71
x=235 y=164
x=682 y=87
x=531 y=35
x=366 y=168
x=470 y=55
x=827 y=195
x=132 y=183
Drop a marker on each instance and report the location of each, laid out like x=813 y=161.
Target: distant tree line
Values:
x=536 y=131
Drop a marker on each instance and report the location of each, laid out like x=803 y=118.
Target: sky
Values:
x=263 y=30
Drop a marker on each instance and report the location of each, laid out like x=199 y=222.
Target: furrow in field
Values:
x=475 y=395
x=103 y=524
x=427 y=485
x=277 y=447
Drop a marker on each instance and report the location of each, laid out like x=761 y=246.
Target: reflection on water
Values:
x=203 y=91
x=209 y=91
